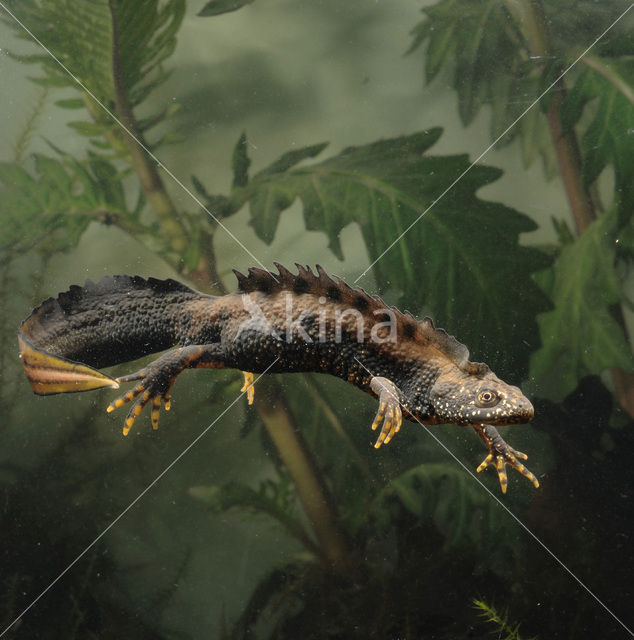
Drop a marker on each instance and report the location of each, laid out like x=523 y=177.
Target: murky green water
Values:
x=165 y=534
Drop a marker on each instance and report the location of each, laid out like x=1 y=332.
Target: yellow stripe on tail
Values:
x=50 y=374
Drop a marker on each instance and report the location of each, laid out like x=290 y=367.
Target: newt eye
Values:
x=487 y=398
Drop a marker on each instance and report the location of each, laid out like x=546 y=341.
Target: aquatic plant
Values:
x=506 y=629
x=426 y=534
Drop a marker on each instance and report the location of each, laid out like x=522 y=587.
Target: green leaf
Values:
x=608 y=139
x=54 y=207
x=291 y=158
x=200 y=188
x=71 y=103
x=108 y=182
x=474 y=35
x=274 y=499
x=580 y=336
x=240 y=162
x=455 y=259
x=146 y=38
x=493 y=65
x=85 y=35
x=266 y=204
x=218 y=7
x=88 y=129
x=193 y=250
x=53 y=81
x=583 y=90
x=442 y=44
x=419 y=34
x=505 y=629
x=53 y=173
x=458 y=507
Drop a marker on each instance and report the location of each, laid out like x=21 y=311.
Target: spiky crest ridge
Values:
x=337 y=290
x=67 y=300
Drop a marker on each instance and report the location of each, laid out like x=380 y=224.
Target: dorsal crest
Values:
x=338 y=291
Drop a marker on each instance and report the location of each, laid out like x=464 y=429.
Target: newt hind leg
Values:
x=389 y=413
x=156 y=379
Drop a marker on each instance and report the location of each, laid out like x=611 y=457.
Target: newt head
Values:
x=462 y=397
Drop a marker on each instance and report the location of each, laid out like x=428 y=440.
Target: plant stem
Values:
x=330 y=415
x=530 y=17
x=290 y=445
x=276 y=416
x=292 y=449
x=206 y=274
x=24 y=137
x=143 y=164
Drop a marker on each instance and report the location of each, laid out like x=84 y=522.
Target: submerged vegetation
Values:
x=489 y=613
x=392 y=546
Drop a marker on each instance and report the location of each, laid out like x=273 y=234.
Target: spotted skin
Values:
x=280 y=323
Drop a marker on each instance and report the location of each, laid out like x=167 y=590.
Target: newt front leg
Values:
x=389 y=413
x=248 y=386
x=157 y=378
x=502 y=454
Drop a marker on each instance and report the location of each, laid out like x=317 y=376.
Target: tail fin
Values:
x=49 y=374
x=118 y=319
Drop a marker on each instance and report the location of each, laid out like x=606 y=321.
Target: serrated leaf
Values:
x=88 y=129
x=53 y=173
x=14 y=176
x=493 y=64
x=52 y=81
x=193 y=250
x=267 y=202
x=459 y=509
x=100 y=144
x=474 y=35
x=218 y=7
x=419 y=34
x=477 y=51
x=53 y=208
x=580 y=336
x=71 y=103
x=609 y=138
x=448 y=262
x=582 y=91
x=107 y=182
x=200 y=188
x=274 y=499
x=141 y=91
x=442 y=44
x=291 y=158
x=85 y=35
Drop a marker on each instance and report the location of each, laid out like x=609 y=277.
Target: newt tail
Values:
x=278 y=322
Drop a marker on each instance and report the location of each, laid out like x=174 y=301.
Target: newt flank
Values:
x=302 y=322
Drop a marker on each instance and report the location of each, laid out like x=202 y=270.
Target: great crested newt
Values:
x=278 y=323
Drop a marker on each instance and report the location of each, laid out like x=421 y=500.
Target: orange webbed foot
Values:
x=389 y=413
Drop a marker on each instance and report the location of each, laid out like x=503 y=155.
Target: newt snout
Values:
x=513 y=409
